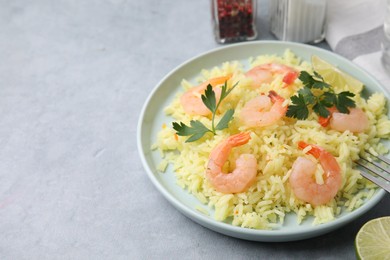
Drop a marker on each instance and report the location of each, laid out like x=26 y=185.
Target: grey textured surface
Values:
x=73 y=78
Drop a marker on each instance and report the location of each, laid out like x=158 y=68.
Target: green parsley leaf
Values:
x=319 y=100
x=318 y=76
x=306 y=95
x=320 y=85
x=224 y=122
x=197 y=130
x=344 y=101
x=315 y=81
x=299 y=108
x=306 y=78
x=329 y=99
x=226 y=91
x=208 y=98
x=321 y=110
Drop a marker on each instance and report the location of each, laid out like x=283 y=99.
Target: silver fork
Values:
x=376 y=169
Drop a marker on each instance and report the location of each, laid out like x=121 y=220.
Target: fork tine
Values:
x=378 y=181
x=386 y=160
x=384 y=168
x=382 y=158
x=382 y=171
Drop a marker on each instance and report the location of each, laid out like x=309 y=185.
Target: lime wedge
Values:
x=334 y=76
x=373 y=239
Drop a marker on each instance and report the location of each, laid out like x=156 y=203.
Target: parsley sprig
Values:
x=197 y=129
x=318 y=95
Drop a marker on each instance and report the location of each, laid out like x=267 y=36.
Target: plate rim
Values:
x=277 y=235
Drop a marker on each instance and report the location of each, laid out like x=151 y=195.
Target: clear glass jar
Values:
x=298 y=20
x=234 y=20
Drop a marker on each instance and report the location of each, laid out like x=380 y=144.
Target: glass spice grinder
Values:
x=234 y=20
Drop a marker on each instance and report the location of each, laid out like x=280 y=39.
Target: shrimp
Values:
x=263 y=110
x=302 y=179
x=191 y=100
x=264 y=74
x=356 y=121
x=242 y=177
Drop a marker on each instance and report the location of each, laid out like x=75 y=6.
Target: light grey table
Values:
x=73 y=78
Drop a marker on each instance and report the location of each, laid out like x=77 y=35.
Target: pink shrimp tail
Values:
x=324 y=121
x=219 y=80
x=218 y=154
x=239 y=139
x=191 y=100
x=315 y=150
x=275 y=97
x=326 y=159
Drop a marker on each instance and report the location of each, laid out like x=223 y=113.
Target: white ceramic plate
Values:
x=152 y=117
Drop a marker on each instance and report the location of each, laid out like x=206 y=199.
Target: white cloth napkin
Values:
x=354 y=29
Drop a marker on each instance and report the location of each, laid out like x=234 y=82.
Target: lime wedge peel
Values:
x=373 y=240
x=335 y=76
